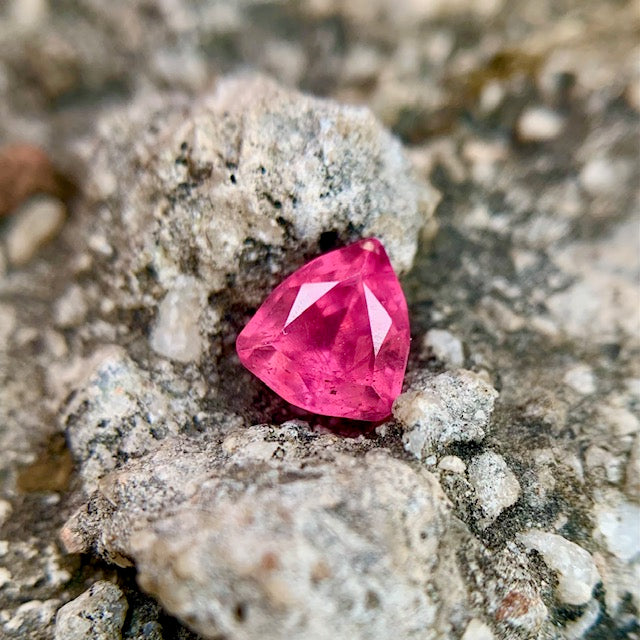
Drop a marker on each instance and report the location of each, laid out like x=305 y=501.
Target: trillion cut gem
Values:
x=333 y=338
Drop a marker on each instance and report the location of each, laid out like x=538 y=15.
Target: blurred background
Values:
x=426 y=67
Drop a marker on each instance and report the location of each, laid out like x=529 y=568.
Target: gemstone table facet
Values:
x=333 y=338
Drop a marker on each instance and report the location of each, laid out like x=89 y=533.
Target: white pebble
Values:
x=35 y=223
x=602 y=176
x=56 y=344
x=495 y=484
x=538 y=124
x=445 y=346
x=619 y=420
x=5 y=576
x=619 y=525
x=176 y=334
x=100 y=244
x=453 y=464
x=5 y=511
x=477 y=630
x=580 y=379
x=577 y=572
x=71 y=309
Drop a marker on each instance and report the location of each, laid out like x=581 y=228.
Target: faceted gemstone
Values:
x=333 y=338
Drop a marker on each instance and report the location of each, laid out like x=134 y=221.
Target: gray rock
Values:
x=116 y=413
x=98 y=613
x=31 y=619
x=437 y=411
x=244 y=537
x=242 y=182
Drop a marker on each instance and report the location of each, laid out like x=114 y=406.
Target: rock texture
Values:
x=97 y=613
x=230 y=187
x=496 y=486
x=501 y=501
x=240 y=537
x=437 y=411
x=577 y=572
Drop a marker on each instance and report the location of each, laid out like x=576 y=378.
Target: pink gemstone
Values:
x=333 y=338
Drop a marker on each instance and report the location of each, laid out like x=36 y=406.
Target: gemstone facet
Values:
x=333 y=338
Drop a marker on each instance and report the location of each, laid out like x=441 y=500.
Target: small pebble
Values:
x=577 y=572
x=176 y=334
x=98 y=613
x=477 y=630
x=580 y=379
x=35 y=223
x=453 y=464
x=56 y=344
x=538 y=124
x=618 y=523
x=71 y=309
x=495 y=484
x=619 y=420
x=602 y=176
x=5 y=576
x=29 y=13
x=5 y=511
x=445 y=347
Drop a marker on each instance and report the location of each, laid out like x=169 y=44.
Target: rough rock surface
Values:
x=230 y=187
x=98 y=613
x=116 y=337
x=116 y=413
x=437 y=411
x=238 y=537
